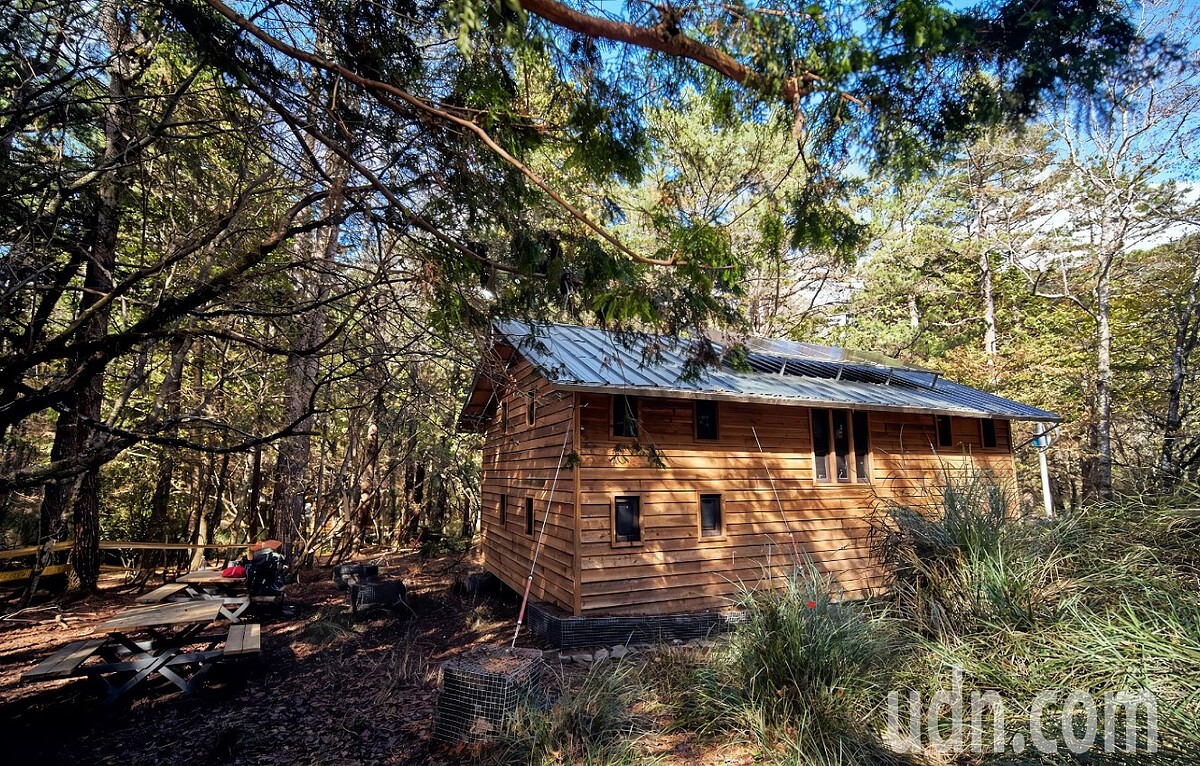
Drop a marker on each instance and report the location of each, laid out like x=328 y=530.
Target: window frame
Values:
x=624 y=399
x=718 y=533
x=529 y=515
x=984 y=424
x=862 y=459
x=858 y=461
x=948 y=431
x=716 y=418
x=626 y=541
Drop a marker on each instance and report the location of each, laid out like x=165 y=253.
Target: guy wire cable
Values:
x=537 y=548
x=778 y=502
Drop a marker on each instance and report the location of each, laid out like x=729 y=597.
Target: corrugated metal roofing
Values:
x=591 y=359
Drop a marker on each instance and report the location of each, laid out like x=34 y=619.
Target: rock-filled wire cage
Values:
x=482 y=688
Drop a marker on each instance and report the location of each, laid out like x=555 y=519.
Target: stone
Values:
x=619 y=651
x=600 y=656
x=582 y=659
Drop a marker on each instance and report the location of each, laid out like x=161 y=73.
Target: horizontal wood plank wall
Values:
x=675 y=569
x=520 y=463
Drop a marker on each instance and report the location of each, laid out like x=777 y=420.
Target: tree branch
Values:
x=385 y=93
x=666 y=38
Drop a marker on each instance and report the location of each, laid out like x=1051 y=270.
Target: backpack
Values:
x=264 y=574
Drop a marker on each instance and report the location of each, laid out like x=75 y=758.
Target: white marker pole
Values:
x=1043 y=443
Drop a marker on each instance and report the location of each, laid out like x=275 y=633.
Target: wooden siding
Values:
x=675 y=569
x=519 y=463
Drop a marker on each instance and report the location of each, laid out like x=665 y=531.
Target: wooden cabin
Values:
x=664 y=488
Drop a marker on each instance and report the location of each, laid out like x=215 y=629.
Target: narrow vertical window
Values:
x=624 y=414
x=529 y=516
x=710 y=516
x=503 y=417
x=862 y=447
x=841 y=443
x=628 y=519
x=706 y=420
x=988 y=427
x=945 y=432
x=503 y=510
x=531 y=406
x=820 y=429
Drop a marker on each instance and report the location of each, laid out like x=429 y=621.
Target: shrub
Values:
x=591 y=722
x=965 y=561
x=804 y=675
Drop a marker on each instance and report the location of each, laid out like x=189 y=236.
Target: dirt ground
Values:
x=327 y=690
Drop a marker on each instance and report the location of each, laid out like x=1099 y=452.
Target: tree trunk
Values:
x=1100 y=475
x=987 y=295
x=212 y=521
x=98 y=283
x=1186 y=337
x=160 y=501
x=295 y=452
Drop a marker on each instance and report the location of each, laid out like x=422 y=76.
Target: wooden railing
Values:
x=16 y=575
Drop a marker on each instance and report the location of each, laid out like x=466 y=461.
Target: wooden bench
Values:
x=162 y=593
x=64 y=662
x=244 y=639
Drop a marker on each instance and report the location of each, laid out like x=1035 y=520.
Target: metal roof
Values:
x=590 y=359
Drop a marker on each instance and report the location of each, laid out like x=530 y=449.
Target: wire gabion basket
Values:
x=482 y=688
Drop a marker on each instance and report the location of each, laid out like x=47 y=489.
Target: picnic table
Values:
x=204 y=585
x=165 y=639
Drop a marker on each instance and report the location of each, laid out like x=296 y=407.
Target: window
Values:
x=841 y=443
x=862 y=447
x=846 y=436
x=503 y=417
x=820 y=422
x=706 y=420
x=627 y=518
x=503 y=510
x=988 y=428
x=710 y=516
x=624 y=414
x=529 y=516
x=531 y=406
x=945 y=432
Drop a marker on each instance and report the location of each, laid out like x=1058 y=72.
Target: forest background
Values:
x=249 y=252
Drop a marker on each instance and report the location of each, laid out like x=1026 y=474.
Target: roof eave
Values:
x=729 y=396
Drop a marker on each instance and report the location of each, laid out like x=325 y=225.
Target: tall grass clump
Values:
x=804 y=677
x=591 y=722
x=1104 y=599
x=965 y=560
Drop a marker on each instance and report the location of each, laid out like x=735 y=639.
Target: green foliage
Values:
x=589 y=723
x=1123 y=592
x=967 y=561
x=804 y=676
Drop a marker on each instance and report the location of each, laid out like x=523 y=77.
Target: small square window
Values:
x=945 y=431
x=529 y=516
x=710 y=516
x=624 y=415
x=706 y=420
x=862 y=447
x=628 y=518
x=988 y=428
x=820 y=437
